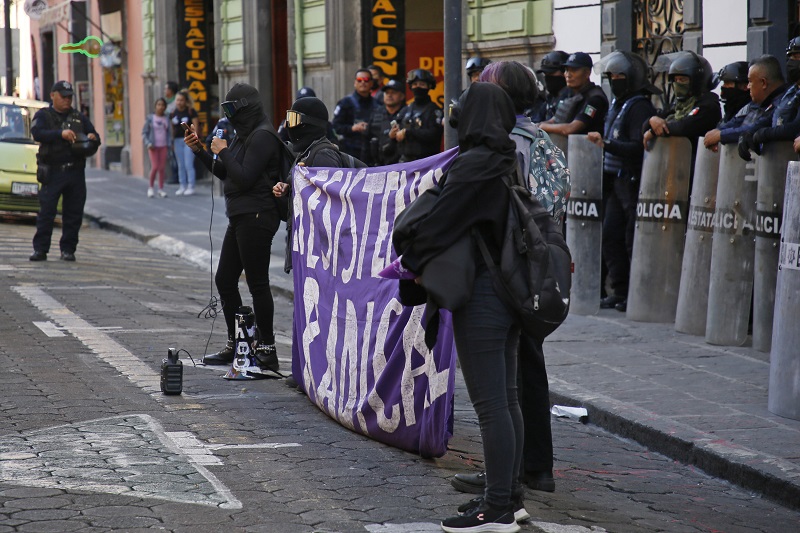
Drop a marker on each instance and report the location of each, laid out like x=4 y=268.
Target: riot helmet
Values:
x=633 y=67
x=422 y=75
x=476 y=64
x=732 y=72
x=793 y=47
x=553 y=61
x=696 y=67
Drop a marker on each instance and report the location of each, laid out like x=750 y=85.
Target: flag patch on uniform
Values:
x=589 y=111
x=694 y=111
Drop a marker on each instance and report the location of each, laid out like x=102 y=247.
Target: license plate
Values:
x=25 y=189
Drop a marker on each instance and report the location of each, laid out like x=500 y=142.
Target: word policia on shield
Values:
x=360 y=355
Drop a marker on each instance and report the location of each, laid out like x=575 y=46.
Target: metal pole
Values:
x=452 y=64
x=299 y=43
x=9 y=54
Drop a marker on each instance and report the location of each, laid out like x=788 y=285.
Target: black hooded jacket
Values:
x=473 y=194
x=250 y=165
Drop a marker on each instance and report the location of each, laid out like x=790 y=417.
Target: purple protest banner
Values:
x=357 y=352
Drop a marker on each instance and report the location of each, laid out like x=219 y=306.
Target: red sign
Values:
x=425 y=49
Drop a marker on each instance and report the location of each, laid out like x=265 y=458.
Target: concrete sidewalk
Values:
x=699 y=404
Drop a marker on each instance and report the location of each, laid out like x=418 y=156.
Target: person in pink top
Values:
x=156 y=137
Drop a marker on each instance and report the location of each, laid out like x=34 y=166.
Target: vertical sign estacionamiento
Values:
x=193 y=56
x=387 y=46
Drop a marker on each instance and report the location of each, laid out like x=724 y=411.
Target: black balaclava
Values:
x=554 y=84
x=304 y=135
x=246 y=118
x=734 y=99
x=793 y=70
x=485 y=120
x=421 y=95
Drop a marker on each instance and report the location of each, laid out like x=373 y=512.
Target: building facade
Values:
x=280 y=45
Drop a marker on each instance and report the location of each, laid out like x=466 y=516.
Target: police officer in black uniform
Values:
x=733 y=93
x=552 y=69
x=352 y=114
x=419 y=126
x=384 y=149
x=623 y=153
x=475 y=66
x=585 y=107
x=66 y=139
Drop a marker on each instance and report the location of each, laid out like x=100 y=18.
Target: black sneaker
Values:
x=222 y=357
x=540 y=480
x=38 y=256
x=520 y=514
x=267 y=357
x=67 y=256
x=484 y=519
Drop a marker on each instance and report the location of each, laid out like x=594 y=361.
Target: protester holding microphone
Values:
x=249 y=168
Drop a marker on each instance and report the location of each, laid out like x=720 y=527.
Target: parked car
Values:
x=19 y=189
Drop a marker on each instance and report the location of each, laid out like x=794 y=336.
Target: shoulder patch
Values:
x=589 y=111
x=337 y=110
x=694 y=111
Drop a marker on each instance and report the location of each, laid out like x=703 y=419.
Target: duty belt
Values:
x=61 y=167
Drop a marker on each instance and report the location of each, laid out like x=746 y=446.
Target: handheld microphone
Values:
x=219 y=133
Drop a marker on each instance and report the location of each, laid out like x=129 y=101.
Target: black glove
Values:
x=759 y=138
x=745 y=141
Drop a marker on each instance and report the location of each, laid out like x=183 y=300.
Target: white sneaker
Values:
x=189 y=191
x=162 y=193
x=150 y=192
x=180 y=191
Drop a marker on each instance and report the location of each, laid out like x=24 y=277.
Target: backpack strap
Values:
x=284 y=156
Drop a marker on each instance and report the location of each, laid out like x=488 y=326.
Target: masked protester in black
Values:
x=248 y=168
x=486 y=332
x=306 y=124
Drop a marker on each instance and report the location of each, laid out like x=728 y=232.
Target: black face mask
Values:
x=734 y=99
x=793 y=70
x=554 y=84
x=619 y=88
x=420 y=93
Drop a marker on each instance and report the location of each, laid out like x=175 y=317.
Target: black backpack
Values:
x=534 y=276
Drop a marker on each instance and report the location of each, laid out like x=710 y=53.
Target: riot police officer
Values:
x=384 y=149
x=696 y=109
x=622 y=166
x=786 y=119
x=766 y=84
x=475 y=66
x=585 y=107
x=733 y=93
x=66 y=139
x=552 y=69
x=419 y=126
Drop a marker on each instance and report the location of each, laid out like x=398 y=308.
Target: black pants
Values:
x=70 y=186
x=618 y=225
x=246 y=247
x=487 y=340
x=534 y=402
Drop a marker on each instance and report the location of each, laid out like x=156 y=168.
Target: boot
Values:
x=266 y=357
x=222 y=357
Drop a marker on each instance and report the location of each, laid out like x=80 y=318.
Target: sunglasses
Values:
x=230 y=107
x=295 y=118
x=364 y=79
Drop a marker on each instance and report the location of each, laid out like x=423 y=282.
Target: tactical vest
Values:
x=617 y=129
x=569 y=108
x=59 y=152
x=414 y=117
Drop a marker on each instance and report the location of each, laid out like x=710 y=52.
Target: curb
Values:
x=759 y=472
